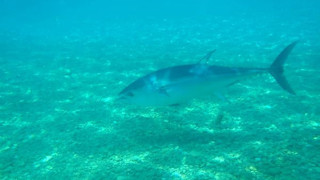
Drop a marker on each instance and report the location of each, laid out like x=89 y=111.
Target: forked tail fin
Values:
x=276 y=68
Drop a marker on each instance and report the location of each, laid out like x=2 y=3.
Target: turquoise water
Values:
x=62 y=63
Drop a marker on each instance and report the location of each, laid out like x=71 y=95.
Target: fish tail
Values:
x=276 y=68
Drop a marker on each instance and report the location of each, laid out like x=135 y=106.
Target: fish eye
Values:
x=130 y=94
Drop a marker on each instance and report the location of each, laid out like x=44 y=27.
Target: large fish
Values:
x=179 y=84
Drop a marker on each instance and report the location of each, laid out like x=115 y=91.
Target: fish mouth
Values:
x=120 y=98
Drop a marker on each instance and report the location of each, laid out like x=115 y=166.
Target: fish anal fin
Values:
x=235 y=82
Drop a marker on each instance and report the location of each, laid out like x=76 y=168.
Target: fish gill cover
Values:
x=63 y=62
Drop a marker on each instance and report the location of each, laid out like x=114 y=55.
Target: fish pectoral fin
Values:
x=163 y=90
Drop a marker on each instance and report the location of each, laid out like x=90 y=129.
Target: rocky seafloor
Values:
x=58 y=119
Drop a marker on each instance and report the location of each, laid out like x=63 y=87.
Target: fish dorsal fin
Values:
x=205 y=59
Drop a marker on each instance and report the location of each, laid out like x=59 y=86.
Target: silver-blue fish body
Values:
x=179 y=84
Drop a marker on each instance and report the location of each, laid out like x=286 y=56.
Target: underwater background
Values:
x=63 y=62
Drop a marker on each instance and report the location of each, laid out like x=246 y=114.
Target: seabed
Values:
x=58 y=119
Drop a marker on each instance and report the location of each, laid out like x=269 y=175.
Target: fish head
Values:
x=148 y=91
x=127 y=97
x=140 y=96
x=134 y=93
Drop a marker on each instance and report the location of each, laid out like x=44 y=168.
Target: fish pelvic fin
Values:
x=276 y=68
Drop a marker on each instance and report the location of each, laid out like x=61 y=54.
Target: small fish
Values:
x=179 y=84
